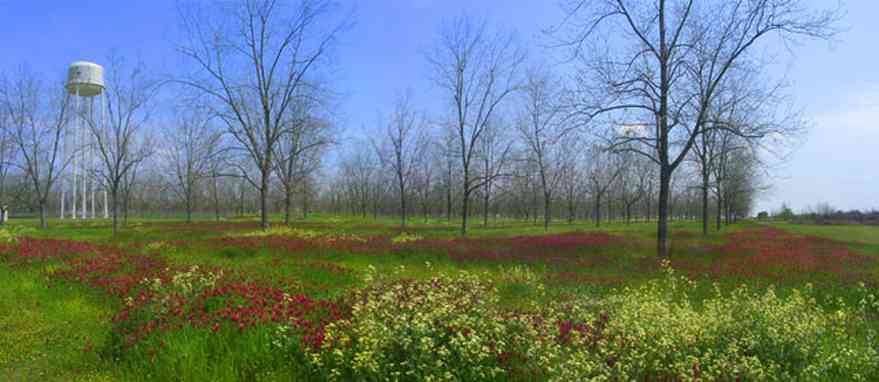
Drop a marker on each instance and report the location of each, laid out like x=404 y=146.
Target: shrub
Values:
x=281 y=231
x=656 y=332
x=444 y=328
x=404 y=237
x=10 y=234
x=452 y=328
x=869 y=302
x=157 y=246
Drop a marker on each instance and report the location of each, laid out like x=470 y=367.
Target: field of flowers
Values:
x=348 y=299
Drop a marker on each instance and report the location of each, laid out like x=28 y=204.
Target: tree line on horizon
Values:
x=664 y=109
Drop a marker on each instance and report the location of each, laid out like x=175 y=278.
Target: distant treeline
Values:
x=825 y=214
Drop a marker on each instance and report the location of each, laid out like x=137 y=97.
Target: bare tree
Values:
x=634 y=181
x=477 y=70
x=424 y=177
x=299 y=151
x=359 y=169
x=571 y=174
x=449 y=168
x=671 y=43
x=122 y=143
x=252 y=64
x=540 y=127
x=192 y=152
x=38 y=114
x=493 y=152
x=404 y=144
x=603 y=170
x=7 y=153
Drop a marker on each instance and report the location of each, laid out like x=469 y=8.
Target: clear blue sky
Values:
x=836 y=84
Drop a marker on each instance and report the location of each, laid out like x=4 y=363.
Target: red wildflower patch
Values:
x=292 y=244
x=759 y=252
x=235 y=303
x=546 y=248
x=235 y=300
x=28 y=250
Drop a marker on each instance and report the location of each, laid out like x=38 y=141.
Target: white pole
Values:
x=75 y=170
x=84 y=165
x=104 y=128
x=92 y=158
x=63 y=178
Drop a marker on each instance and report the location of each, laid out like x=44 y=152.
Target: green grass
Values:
x=45 y=325
x=50 y=331
x=863 y=238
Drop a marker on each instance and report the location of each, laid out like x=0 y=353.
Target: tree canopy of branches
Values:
x=664 y=71
x=191 y=154
x=403 y=146
x=38 y=113
x=123 y=142
x=253 y=61
x=541 y=129
x=477 y=70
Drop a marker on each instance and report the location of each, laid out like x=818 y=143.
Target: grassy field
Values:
x=343 y=298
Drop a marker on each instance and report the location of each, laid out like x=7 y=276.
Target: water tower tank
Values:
x=85 y=78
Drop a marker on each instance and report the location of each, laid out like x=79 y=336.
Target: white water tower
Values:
x=85 y=79
x=85 y=83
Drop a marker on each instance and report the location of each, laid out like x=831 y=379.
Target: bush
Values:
x=452 y=328
x=404 y=237
x=9 y=234
x=656 y=332
x=444 y=328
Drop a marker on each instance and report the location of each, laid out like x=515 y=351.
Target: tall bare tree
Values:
x=192 y=150
x=541 y=129
x=404 y=144
x=476 y=69
x=38 y=114
x=634 y=181
x=603 y=170
x=253 y=57
x=8 y=150
x=123 y=142
x=299 y=151
x=666 y=45
x=493 y=153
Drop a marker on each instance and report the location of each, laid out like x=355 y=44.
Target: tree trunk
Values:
x=125 y=202
x=287 y=196
x=189 y=207
x=305 y=202
x=263 y=200
x=704 y=203
x=546 y=208
x=44 y=223
x=216 y=201
x=449 y=198
x=402 y=203
x=464 y=205
x=662 y=248
x=485 y=200
x=628 y=213
x=114 y=196
x=598 y=209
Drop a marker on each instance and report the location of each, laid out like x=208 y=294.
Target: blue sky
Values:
x=836 y=84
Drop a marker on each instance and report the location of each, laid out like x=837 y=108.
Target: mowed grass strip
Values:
x=50 y=331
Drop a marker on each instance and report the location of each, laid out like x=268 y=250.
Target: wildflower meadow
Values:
x=350 y=300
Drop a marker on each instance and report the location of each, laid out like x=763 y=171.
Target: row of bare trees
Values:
x=654 y=101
